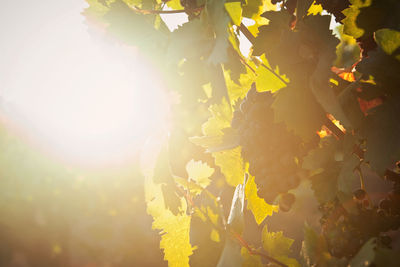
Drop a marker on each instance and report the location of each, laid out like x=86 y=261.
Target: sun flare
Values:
x=85 y=100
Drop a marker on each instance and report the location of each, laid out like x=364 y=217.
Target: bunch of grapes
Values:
x=346 y=232
x=271 y=150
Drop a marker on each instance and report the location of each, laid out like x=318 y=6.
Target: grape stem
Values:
x=362 y=184
x=253 y=251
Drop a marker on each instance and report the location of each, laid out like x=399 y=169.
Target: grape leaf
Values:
x=371 y=254
x=188 y=41
x=266 y=80
x=365 y=255
x=126 y=25
x=257 y=205
x=388 y=40
x=269 y=36
x=250 y=260
x=315 y=9
x=220 y=119
x=219 y=20
x=199 y=172
x=174 y=4
x=162 y=175
x=278 y=246
x=315 y=252
x=309 y=115
x=174 y=228
x=358 y=20
x=234 y=10
x=231 y=165
x=302 y=8
x=381 y=130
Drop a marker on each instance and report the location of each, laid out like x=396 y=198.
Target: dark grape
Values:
x=269 y=147
x=385 y=204
x=359 y=194
x=386 y=240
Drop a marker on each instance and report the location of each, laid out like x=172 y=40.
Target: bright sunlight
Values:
x=80 y=96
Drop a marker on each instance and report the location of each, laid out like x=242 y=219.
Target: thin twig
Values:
x=360 y=174
x=245 y=63
x=273 y=72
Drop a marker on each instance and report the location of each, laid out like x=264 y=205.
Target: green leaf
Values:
x=358 y=20
x=381 y=130
x=257 y=205
x=347 y=177
x=188 y=41
x=269 y=36
x=219 y=20
x=302 y=7
x=234 y=10
x=388 y=40
x=351 y=13
x=133 y=28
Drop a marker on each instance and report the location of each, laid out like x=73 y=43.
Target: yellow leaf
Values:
x=237 y=91
x=315 y=9
x=278 y=246
x=174 y=4
x=257 y=205
x=221 y=118
x=250 y=260
x=266 y=80
x=174 y=229
x=275 y=243
x=199 y=172
x=234 y=10
x=231 y=165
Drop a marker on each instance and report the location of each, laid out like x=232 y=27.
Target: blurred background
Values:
x=75 y=109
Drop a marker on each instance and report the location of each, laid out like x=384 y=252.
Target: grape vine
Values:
x=308 y=119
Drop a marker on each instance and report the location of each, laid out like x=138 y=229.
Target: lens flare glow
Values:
x=84 y=100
